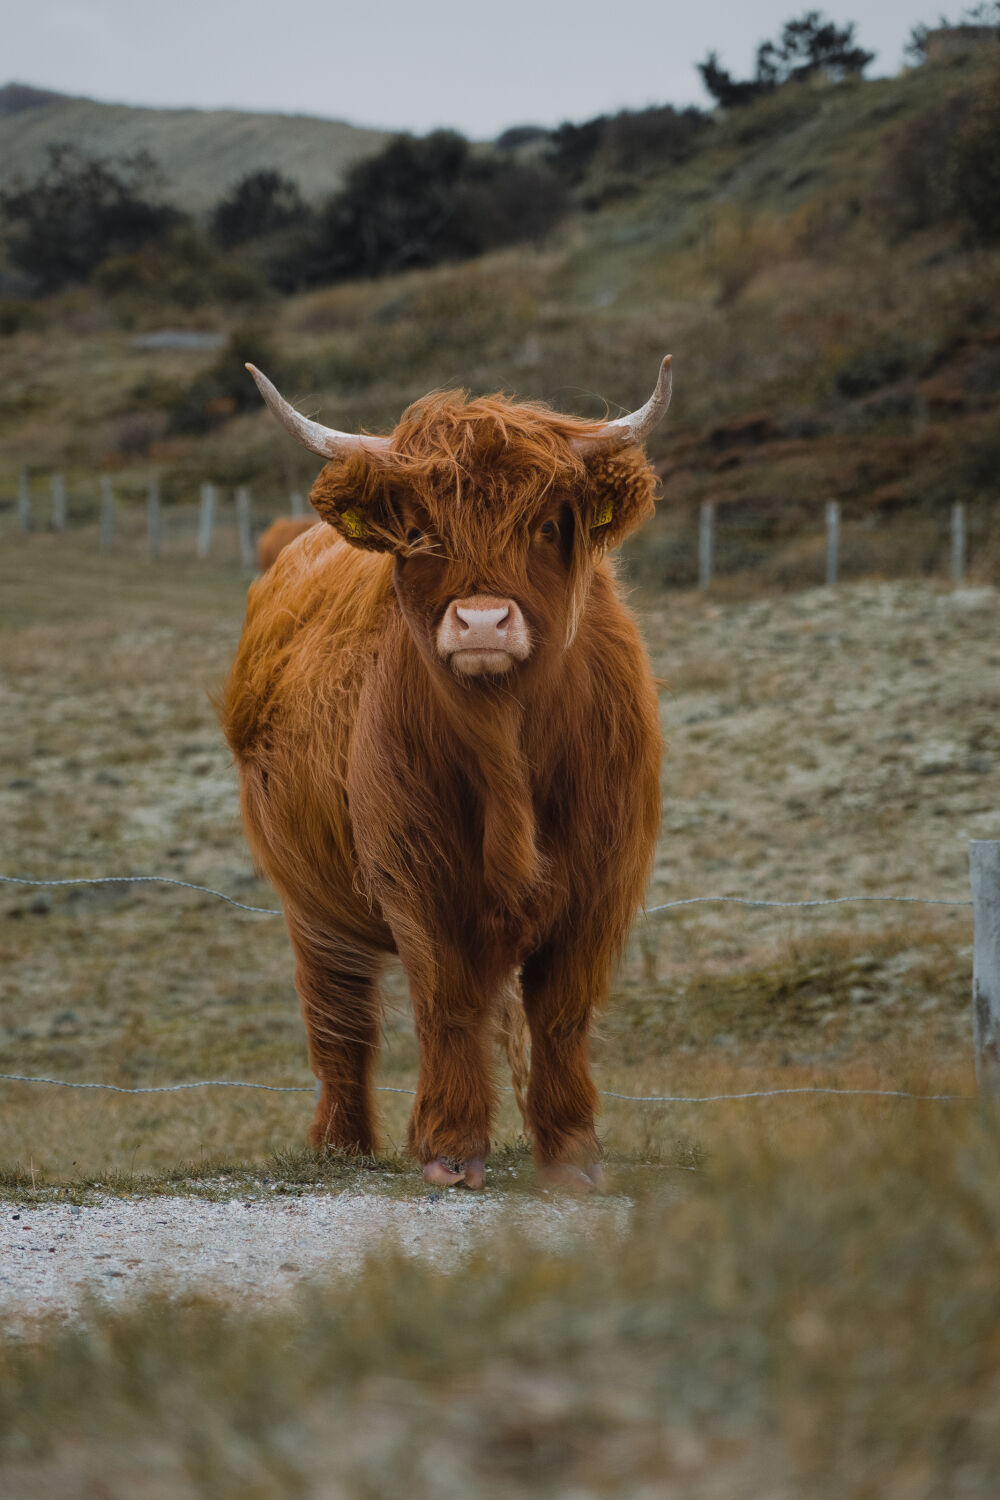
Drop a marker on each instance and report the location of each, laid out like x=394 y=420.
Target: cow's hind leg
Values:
x=560 y=988
x=338 y=988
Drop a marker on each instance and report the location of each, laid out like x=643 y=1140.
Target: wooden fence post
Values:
x=107 y=513
x=154 y=518
x=832 y=541
x=206 y=520
x=706 y=543
x=58 y=503
x=297 y=504
x=984 y=870
x=958 y=544
x=244 y=526
x=24 y=501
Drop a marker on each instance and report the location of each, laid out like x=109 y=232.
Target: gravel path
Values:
x=52 y=1255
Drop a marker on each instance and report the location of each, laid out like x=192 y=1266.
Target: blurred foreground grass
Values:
x=808 y=1309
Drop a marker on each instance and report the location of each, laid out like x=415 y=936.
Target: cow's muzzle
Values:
x=483 y=636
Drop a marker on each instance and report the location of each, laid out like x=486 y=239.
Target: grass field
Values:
x=806 y=1301
x=821 y=744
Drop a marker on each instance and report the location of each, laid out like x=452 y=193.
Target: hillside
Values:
x=202 y=152
x=823 y=348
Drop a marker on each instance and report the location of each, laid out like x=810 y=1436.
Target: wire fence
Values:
x=824 y=542
x=744 y=901
x=649 y=911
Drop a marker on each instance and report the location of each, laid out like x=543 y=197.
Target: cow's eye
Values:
x=414 y=536
x=549 y=530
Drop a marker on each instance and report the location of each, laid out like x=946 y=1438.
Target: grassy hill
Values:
x=202 y=151
x=824 y=348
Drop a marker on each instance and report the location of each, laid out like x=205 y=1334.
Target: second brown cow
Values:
x=277 y=537
x=448 y=740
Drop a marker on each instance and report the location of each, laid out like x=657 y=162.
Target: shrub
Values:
x=946 y=168
x=225 y=388
x=417 y=203
x=185 y=271
x=79 y=211
x=976 y=167
x=869 y=369
x=259 y=204
x=573 y=147
x=917 y=189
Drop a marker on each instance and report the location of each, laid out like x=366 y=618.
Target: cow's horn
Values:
x=325 y=441
x=638 y=424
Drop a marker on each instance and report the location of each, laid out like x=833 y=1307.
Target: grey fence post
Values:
x=58 y=503
x=298 y=506
x=24 y=501
x=244 y=526
x=832 y=541
x=706 y=543
x=107 y=513
x=154 y=518
x=958 y=544
x=206 y=520
x=984 y=871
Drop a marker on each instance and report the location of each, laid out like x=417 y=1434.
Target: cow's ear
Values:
x=352 y=495
x=620 y=494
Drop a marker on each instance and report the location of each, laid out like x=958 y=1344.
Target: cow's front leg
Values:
x=456 y=1091
x=561 y=986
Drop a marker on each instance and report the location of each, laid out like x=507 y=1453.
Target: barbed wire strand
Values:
x=188 y=885
x=272 y=911
x=606 y=1094
x=818 y=901
x=226 y=1083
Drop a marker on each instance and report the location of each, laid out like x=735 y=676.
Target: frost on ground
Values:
x=54 y=1256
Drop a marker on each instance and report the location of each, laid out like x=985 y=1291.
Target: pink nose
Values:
x=483 y=634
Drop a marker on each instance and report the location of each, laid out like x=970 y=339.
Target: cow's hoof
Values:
x=569 y=1179
x=443 y=1173
x=475 y=1172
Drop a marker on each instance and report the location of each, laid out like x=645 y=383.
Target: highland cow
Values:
x=277 y=536
x=448 y=740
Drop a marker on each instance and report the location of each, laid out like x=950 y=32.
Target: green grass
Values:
x=799 y=733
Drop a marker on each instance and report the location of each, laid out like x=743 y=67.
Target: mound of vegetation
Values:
x=779 y=248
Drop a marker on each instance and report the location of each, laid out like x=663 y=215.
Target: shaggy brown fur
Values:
x=476 y=827
x=280 y=532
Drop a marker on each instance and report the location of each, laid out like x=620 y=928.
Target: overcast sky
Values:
x=413 y=65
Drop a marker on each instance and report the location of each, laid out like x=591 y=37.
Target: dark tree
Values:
x=976 y=170
x=916 y=46
x=417 y=203
x=79 y=211
x=726 y=90
x=812 y=44
x=398 y=209
x=260 y=204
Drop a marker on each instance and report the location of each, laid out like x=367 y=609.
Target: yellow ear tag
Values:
x=604 y=515
x=353 y=524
